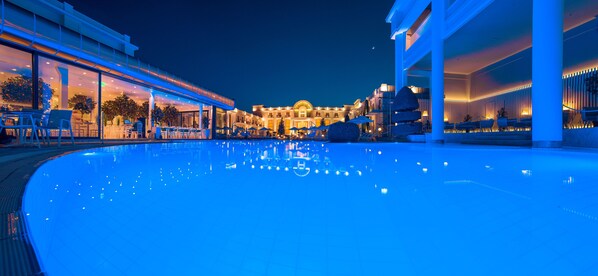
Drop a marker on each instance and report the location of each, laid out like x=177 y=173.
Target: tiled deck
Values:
x=17 y=164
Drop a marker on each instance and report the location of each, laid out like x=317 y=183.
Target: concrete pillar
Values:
x=150 y=122
x=64 y=83
x=437 y=76
x=200 y=123
x=400 y=73
x=547 y=72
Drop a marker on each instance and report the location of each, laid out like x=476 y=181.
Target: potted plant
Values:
x=501 y=118
x=157 y=116
x=205 y=122
x=83 y=104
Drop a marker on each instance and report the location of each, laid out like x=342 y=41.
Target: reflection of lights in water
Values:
x=337 y=172
x=326 y=171
x=384 y=191
x=569 y=180
x=379 y=152
x=488 y=167
x=445 y=164
x=425 y=170
x=346 y=173
x=359 y=173
x=396 y=160
x=419 y=163
x=526 y=172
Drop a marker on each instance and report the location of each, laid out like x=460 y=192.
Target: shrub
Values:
x=343 y=132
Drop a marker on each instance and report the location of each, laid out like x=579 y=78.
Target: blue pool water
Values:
x=306 y=208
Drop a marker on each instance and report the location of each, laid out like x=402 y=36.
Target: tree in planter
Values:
x=501 y=113
x=143 y=110
x=157 y=115
x=467 y=118
x=171 y=114
x=501 y=118
x=281 y=127
x=19 y=89
x=205 y=121
x=82 y=103
x=120 y=106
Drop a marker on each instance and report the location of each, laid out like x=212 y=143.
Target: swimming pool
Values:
x=308 y=208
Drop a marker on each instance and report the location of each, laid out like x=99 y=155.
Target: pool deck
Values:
x=17 y=164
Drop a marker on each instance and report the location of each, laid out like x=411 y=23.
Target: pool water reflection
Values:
x=306 y=208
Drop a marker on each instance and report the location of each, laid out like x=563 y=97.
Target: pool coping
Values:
x=17 y=253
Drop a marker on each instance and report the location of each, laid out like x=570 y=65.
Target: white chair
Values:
x=58 y=120
x=22 y=122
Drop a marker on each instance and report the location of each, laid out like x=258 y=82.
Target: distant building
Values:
x=302 y=115
x=377 y=107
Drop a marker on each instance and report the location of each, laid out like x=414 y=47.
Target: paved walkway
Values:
x=17 y=164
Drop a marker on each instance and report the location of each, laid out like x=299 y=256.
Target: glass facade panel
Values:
x=172 y=107
x=125 y=109
x=70 y=87
x=16 y=83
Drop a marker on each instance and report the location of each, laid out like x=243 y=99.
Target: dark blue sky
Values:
x=270 y=52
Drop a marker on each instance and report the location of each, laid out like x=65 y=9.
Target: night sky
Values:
x=271 y=52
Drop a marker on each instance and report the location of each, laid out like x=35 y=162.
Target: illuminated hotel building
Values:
x=477 y=56
x=53 y=57
x=302 y=115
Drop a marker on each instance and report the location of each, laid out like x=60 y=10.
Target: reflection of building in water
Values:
x=300 y=158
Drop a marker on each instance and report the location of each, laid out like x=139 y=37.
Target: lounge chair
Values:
x=590 y=114
x=58 y=120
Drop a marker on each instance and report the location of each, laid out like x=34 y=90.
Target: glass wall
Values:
x=64 y=86
x=178 y=112
x=125 y=109
x=15 y=79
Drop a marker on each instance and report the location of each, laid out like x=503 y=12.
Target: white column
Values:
x=200 y=116
x=437 y=76
x=151 y=102
x=64 y=84
x=547 y=71
x=400 y=73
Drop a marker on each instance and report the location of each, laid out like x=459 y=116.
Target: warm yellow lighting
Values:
x=425 y=113
x=379 y=129
x=524 y=113
x=446 y=119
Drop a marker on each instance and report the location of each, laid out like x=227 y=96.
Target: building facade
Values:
x=474 y=62
x=302 y=115
x=53 y=57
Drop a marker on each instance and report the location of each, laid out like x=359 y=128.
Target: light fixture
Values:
x=425 y=113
